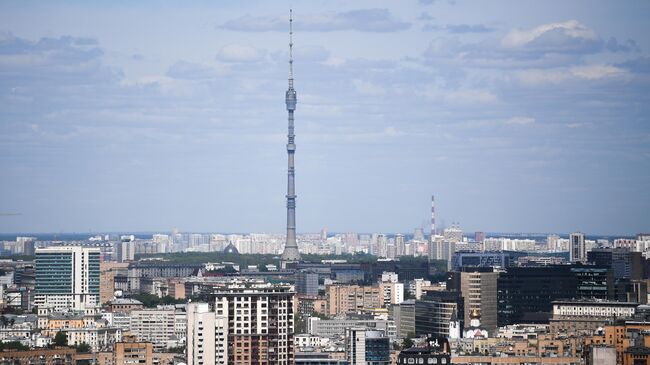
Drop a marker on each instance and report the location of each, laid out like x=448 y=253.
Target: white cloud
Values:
x=311 y=53
x=191 y=71
x=471 y=96
x=520 y=121
x=570 y=36
x=239 y=53
x=594 y=72
x=518 y=38
x=368 y=88
x=558 y=75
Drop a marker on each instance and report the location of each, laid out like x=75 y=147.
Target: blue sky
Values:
x=521 y=116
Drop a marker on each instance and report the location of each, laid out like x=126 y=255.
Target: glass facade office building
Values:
x=67 y=277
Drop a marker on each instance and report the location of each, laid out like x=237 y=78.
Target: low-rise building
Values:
x=515 y=360
x=309 y=305
x=575 y=316
x=125 y=305
x=435 y=351
x=163 y=327
x=86 y=326
x=306 y=341
x=333 y=328
x=130 y=351
x=60 y=356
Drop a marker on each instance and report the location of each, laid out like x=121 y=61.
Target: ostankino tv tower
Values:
x=291 y=253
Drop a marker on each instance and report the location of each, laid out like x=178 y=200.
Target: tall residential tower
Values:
x=291 y=253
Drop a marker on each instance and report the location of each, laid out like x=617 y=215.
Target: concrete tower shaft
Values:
x=291 y=252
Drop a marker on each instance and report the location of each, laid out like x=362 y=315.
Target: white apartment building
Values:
x=158 y=326
x=207 y=336
x=595 y=308
x=355 y=346
x=392 y=293
x=67 y=277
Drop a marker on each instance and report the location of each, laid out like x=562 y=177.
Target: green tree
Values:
x=408 y=343
x=83 y=347
x=61 y=339
x=177 y=349
x=149 y=300
x=13 y=345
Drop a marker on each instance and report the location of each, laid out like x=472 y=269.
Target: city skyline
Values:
x=530 y=123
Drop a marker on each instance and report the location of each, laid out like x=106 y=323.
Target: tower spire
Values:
x=291 y=253
x=290 y=48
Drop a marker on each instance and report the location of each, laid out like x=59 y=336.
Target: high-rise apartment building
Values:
x=207 y=336
x=400 y=249
x=552 y=242
x=453 y=233
x=67 y=277
x=124 y=250
x=441 y=249
x=479 y=290
x=577 y=247
x=392 y=290
x=25 y=245
x=252 y=323
x=418 y=234
x=162 y=242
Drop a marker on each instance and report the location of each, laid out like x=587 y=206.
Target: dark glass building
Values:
x=377 y=348
x=625 y=264
x=307 y=283
x=524 y=294
x=434 y=312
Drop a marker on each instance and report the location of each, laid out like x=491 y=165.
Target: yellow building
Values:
x=631 y=341
x=343 y=299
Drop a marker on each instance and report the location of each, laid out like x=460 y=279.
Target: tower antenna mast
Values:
x=291 y=253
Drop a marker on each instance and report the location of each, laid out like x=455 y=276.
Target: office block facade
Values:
x=306 y=283
x=525 y=294
x=366 y=347
x=479 y=291
x=435 y=311
x=67 y=277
